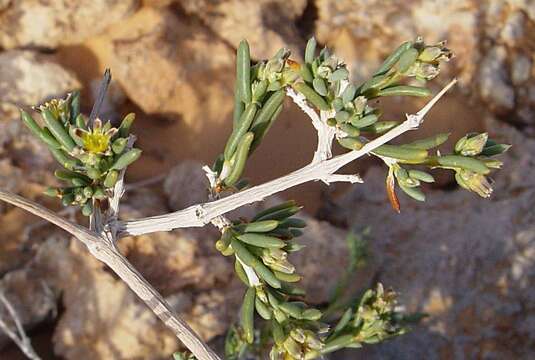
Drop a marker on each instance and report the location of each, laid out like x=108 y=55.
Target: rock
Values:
x=142 y=201
x=323 y=261
x=29 y=290
x=158 y=3
x=513 y=31
x=27 y=78
x=494 y=80
x=166 y=70
x=268 y=25
x=465 y=261
x=521 y=69
x=52 y=23
x=172 y=261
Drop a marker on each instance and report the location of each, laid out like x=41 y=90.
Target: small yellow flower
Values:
x=97 y=140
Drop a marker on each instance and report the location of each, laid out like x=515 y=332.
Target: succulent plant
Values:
x=91 y=156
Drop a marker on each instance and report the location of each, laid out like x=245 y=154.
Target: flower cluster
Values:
x=374 y=319
x=92 y=155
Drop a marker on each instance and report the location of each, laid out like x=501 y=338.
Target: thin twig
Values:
x=19 y=337
x=201 y=214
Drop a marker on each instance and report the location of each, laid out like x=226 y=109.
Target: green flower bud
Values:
x=119 y=145
x=424 y=71
x=298 y=335
x=88 y=191
x=471 y=145
x=52 y=192
x=99 y=193
x=87 y=209
x=111 y=178
x=339 y=74
x=293 y=348
x=67 y=199
x=342 y=116
x=493 y=164
x=311 y=314
x=319 y=86
x=360 y=104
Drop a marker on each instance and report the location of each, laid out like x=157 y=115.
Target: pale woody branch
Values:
x=202 y=214
x=105 y=251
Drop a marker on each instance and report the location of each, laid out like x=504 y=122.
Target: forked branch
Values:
x=201 y=214
x=322 y=168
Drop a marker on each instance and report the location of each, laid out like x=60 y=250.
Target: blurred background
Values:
x=466 y=261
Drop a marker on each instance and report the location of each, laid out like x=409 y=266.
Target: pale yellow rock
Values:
x=170 y=66
x=58 y=22
x=268 y=25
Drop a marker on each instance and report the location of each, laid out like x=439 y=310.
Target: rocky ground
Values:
x=467 y=262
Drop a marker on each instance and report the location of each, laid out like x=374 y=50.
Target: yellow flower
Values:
x=97 y=140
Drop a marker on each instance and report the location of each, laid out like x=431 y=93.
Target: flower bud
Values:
x=471 y=145
x=298 y=335
x=474 y=182
x=360 y=104
x=292 y=347
x=426 y=71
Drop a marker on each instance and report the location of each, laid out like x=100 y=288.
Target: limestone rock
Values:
x=173 y=261
x=170 y=66
x=268 y=25
x=30 y=295
x=494 y=80
x=27 y=78
x=58 y=22
x=465 y=261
